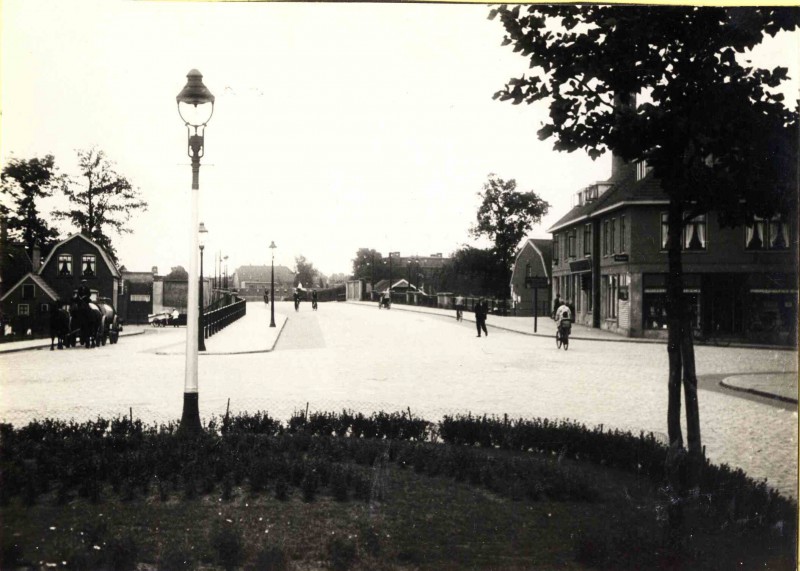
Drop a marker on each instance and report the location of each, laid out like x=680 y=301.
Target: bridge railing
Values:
x=218 y=319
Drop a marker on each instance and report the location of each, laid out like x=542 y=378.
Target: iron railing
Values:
x=215 y=320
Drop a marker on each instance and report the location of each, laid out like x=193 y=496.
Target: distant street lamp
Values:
x=226 y=273
x=195 y=107
x=272 y=247
x=201 y=333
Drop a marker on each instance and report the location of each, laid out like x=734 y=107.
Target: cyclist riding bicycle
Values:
x=563 y=318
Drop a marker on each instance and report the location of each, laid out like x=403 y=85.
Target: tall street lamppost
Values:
x=272 y=247
x=201 y=332
x=195 y=107
x=226 y=273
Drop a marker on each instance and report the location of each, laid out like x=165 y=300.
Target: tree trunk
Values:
x=683 y=471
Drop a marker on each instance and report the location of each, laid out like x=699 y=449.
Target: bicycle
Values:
x=459 y=314
x=562 y=334
x=314 y=304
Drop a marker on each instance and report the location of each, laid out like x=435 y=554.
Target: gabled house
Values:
x=531 y=278
x=610 y=260
x=79 y=258
x=27 y=304
x=252 y=281
x=69 y=262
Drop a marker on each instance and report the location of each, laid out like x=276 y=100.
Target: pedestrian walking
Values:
x=297 y=299
x=481 y=311
x=314 y=300
x=266 y=297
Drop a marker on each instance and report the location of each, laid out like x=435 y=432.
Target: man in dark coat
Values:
x=481 y=311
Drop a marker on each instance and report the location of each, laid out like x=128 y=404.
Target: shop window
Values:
x=654 y=300
x=694 y=233
x=89 y=265
x=28 y=291
x=587 y=239
x=23 y=309
x=64 y=265
x=763 y=234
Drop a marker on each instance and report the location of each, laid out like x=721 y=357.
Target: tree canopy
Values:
x=506 y=216
x=369 y=264
x=712 y=127
x=26 y=182
x=101 y=198
x=305 y=273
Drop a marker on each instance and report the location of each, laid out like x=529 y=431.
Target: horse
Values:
x=109 y=320
x=60 y=323
x=89 y=320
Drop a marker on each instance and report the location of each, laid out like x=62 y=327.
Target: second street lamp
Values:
x=201 y=333
x=195 y=107
x=272 y=247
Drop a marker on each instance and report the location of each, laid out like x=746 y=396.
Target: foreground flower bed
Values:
x=346 y=490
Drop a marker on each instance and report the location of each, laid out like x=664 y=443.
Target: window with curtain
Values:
x=64 y=265
x=763 y=234
x=555 y=248
x=587 y=239
x=89 y=265
x=613 y=238
x=571 y=238
x=694 y=233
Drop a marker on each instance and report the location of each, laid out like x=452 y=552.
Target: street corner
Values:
x=781 y=385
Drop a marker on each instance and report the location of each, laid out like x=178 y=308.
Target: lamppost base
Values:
x=190 y=420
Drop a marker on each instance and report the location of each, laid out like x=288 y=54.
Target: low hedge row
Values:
x=326 y=450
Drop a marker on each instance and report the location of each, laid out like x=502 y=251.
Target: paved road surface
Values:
x=361 y=358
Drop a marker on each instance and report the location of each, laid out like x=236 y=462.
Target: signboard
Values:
x=578 y=266
x=535 y=282
x=621 y=257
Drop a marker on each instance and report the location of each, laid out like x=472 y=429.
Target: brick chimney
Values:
x=619 y=167
x=36 y=257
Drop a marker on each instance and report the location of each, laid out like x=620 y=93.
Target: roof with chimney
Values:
x=621 y=191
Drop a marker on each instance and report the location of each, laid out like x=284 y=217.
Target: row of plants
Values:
x=326 y=450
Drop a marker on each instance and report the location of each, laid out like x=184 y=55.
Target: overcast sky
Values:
x=336 y=126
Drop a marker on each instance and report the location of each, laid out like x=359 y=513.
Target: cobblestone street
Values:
x=356 y=357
